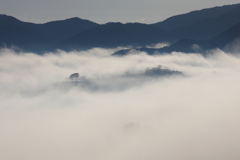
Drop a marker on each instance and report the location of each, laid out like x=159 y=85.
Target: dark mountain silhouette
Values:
x=228 y=40
x=186 y=46
x=65 y=28
x=208 y=28
x=9 y=20
x=183 y=45
x=113 y=35
x=222 y=41
x=61 y=29
x=38 y=37
x=14 y=32
x=186 y=19
x=196 y=31
x=196 y=25
x=24 y=38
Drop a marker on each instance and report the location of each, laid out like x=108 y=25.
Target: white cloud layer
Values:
x=138 y=117
x=159 y=45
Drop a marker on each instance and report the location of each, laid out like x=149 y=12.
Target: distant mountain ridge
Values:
x=224 y=41
x=61 y=29
x=192 y=17
x=203 y=24
x=64 y=29
x=38 y=37
x=112 y=35
x=205 y=28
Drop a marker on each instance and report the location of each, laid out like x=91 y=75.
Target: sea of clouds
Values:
x=138 y=107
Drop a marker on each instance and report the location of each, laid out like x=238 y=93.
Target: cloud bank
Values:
x=120 y=108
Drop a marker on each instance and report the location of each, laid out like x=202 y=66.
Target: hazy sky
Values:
x=102 y=11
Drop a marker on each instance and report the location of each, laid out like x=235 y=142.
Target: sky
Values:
x=120 y=108
x=103 y=11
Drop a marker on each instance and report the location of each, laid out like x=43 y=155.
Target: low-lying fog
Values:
x=138 y=107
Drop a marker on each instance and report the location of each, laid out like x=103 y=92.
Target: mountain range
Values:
x=196 y=31
x=39 y=37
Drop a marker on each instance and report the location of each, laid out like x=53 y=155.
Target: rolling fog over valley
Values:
x=173 y=106
x=149 y=89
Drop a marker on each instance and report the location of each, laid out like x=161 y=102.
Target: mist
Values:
x=176 y=106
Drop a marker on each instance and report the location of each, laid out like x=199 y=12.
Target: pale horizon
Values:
x=104 y=11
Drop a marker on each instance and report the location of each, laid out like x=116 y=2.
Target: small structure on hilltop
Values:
x=74 y=76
